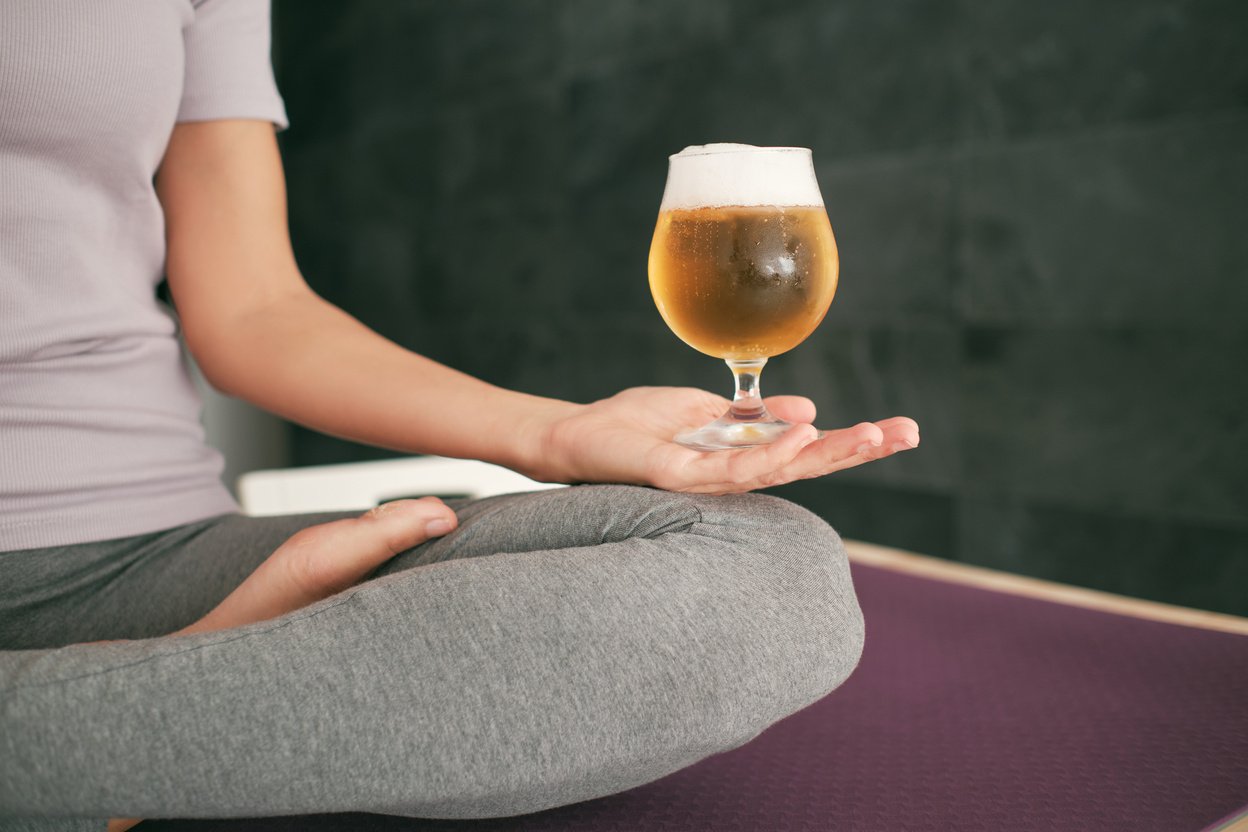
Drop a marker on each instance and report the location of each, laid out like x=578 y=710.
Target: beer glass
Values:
x=743 y=267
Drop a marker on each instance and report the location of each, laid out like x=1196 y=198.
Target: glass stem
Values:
x=747 y=403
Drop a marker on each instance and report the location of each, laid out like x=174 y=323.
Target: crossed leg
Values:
x=557 y=646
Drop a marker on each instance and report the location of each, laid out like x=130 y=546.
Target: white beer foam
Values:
x=713 y=175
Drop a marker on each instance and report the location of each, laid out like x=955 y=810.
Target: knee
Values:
x=776 y=618
x=778 y=573
x=772 y=579
x=623 y=512
x=797 y=597
x=785 y=571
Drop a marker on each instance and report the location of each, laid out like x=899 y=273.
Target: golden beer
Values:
x=743 y=282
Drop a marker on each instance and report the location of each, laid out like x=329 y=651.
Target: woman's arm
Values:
x=259 y=333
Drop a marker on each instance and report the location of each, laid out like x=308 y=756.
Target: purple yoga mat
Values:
x=971 y=710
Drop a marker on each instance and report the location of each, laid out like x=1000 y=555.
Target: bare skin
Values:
x=259 y=333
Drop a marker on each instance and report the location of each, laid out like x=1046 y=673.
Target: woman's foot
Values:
x=322 y=560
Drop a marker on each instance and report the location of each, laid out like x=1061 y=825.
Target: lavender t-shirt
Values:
x=99 y=423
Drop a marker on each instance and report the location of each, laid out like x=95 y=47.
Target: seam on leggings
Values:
x=701 y=518
x=675 y=527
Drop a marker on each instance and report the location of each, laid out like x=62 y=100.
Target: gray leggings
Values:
x=558 y=646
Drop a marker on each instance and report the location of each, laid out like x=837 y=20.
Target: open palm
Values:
x=628 y=439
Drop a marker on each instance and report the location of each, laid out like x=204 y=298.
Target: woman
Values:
x=164 y=656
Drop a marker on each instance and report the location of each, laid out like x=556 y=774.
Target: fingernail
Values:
x=403 y=509
x=903 y=445
x=435 y=528
x=866 y=449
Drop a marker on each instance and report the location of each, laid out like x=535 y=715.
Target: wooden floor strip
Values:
x=898 y=560
x=1237 y=822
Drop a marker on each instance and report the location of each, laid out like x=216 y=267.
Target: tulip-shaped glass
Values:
x=743 y=267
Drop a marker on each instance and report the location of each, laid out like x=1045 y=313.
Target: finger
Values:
x=795 y=409
x=333 y=556
x=900 y=433
x=861 y=440
x=839 y=450
x=411 y=522
x=324 y=559
x=718 y=472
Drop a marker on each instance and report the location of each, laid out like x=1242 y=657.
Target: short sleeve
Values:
x=229 y=72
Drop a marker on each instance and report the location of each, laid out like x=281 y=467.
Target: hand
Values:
x=628 y=439
x=322 y=560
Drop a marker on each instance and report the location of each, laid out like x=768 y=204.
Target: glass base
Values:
x=747 y=424
x=727 y=433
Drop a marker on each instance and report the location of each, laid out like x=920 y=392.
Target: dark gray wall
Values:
x=1040 y=208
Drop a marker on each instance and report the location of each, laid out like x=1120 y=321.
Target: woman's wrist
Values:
x=528 y=445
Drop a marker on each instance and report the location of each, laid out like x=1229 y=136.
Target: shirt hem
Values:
x=257 y=108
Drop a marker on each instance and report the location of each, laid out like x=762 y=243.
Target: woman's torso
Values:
x=99 y=421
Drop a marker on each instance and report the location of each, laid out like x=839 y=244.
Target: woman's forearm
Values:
x=260 y=333
x=305 y=359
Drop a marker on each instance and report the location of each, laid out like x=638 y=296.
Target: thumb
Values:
x=319 y=561
x=403 y=524
x=796 y=409
x=333 y=556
